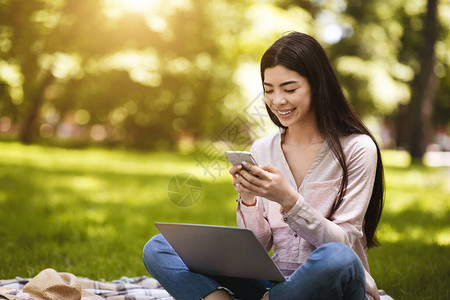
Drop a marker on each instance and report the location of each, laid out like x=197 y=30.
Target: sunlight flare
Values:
x=134 y=5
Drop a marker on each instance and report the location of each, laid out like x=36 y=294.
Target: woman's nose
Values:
x=279 y=100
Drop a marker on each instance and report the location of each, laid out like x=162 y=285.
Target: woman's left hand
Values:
x=267 y=182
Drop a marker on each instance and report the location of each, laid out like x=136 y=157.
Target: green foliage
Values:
x=173 y=71
x=141 y=85
x=90 y=212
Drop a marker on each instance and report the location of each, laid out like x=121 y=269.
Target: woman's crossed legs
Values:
x=333 y=271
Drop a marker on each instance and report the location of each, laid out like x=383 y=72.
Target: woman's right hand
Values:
x=247 y=199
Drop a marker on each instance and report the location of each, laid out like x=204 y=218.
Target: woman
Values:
x=316 y=198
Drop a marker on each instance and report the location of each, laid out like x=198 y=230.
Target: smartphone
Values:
x=237 y=157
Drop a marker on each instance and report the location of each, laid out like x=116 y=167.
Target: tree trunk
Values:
x=424 y=88
x=28 y=127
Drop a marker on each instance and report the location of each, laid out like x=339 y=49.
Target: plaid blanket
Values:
x=138 y=288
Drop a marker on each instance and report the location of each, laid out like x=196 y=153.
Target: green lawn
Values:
x=89 y=212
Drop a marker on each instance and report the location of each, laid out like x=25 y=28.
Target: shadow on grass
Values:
x=414 y=231
x=411 y=270
x=411 y=260
x=91 y=223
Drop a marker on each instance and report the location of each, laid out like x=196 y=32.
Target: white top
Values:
x=296 y=234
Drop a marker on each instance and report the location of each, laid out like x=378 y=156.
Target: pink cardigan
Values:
x=294 y=235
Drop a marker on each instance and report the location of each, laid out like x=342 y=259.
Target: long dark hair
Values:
x=335 y=117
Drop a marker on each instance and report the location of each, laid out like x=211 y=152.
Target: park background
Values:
x=115 y=114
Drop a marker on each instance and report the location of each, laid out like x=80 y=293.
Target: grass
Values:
x=89 y=212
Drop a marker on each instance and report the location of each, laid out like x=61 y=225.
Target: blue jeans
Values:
x=333 y=271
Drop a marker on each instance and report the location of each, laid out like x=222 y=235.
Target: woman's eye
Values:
x=268 y=92
x=290 y=91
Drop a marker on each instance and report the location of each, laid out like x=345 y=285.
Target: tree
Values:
x=149 y=79
x=386 y=60
x=424 y=86
x=145 y=85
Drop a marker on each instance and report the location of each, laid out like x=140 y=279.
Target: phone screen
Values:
x=237 y=157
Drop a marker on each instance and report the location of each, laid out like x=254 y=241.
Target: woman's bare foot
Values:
x=218 y=295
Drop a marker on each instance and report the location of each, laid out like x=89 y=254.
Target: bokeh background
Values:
x=104 y=102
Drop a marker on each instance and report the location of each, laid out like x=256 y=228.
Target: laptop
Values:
x=221 y=251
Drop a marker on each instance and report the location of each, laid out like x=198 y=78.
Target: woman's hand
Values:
x=248 y=199
x=267 y=182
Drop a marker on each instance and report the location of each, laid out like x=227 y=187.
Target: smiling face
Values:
x=288 y=95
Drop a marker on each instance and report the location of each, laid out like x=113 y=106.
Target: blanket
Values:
x=137 y=288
